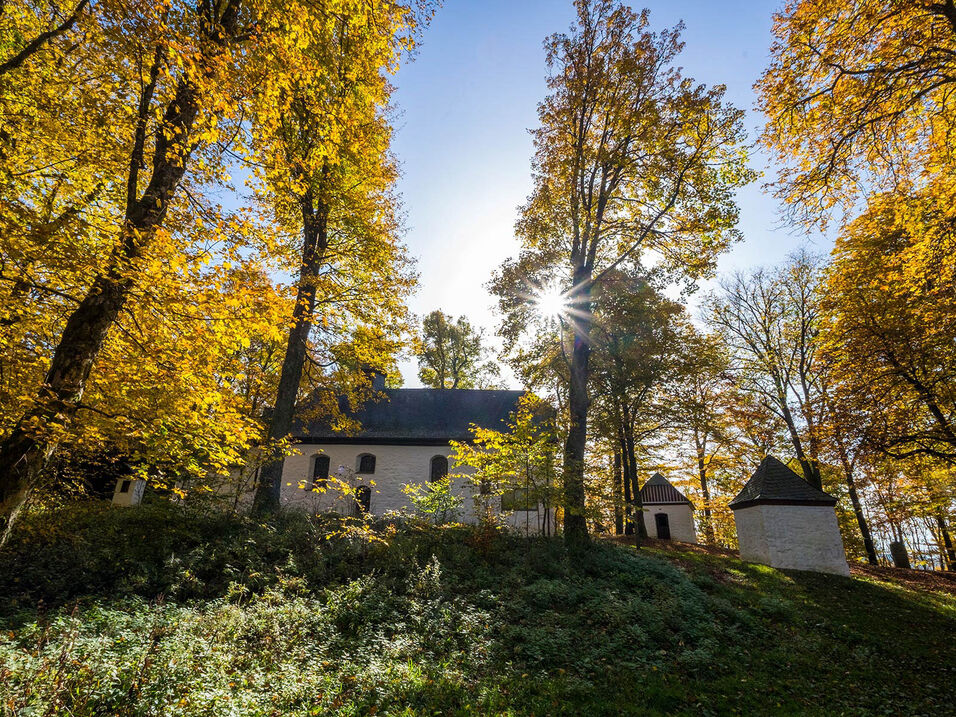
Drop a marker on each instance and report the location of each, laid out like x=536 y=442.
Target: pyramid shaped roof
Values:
x=774 y=483
x=658 y=490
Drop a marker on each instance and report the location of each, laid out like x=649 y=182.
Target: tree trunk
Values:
x=618 y=495
x=705 y=492
x=637 y=507
x=314 y=244
x=625 y=478
x=25 y=452
x=811 y=470
x=858 y=508
x=947 y=543
x=575 y=522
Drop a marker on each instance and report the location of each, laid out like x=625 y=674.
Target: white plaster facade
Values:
x=395 y=467
x=129 y=492
x=795 y=537
x=680 y=519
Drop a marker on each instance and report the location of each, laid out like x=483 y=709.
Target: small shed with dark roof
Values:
x=670 y=515
x=785 y=522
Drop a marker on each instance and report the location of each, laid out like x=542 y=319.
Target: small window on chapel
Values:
x=124 y=486
x=439 y=468
x=366 y=463
x=320 y=471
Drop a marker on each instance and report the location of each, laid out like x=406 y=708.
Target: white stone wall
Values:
x=680 y=518
x=133 y=496
x=795 y=537
x=395 y=467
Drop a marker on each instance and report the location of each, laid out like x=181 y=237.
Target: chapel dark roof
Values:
x=659 y=491
x=774 y=483
x=429 y=416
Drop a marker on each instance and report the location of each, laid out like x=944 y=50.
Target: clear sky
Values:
x=468 y=100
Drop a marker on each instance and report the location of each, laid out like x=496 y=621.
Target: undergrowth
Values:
x=158 y=610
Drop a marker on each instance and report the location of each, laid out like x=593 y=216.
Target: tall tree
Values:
x=202 y=293
x=769 y=321
x=159 y=96
x=700 y=403
x=890 y=321
x=169 y=115
x=859 y=94
x=332 y=184
x=630 y=156
x=634 y=345
x=451 y=354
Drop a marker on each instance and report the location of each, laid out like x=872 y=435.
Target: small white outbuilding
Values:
x=669 y=515
x=785 y=522
x=129 y=491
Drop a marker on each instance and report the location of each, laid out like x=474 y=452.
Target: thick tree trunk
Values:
x=24 y=453
x=314 y=244
x=575 y=522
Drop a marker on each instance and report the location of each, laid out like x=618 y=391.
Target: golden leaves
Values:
x=857 y=94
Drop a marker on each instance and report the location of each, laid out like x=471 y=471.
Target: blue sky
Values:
x=466 y=104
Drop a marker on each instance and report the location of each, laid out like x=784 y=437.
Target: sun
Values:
x=551 y=302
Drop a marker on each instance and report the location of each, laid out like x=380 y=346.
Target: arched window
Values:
x=320 y=471
x=366 y=463
x=439 y=468
x=363 y=499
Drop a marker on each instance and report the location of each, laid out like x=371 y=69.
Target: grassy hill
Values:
x=157 y=611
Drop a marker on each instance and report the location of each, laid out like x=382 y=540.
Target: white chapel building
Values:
x=404 y=438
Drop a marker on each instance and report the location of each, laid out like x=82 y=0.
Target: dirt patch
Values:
x=934 y=580
x=674 y=546
x=931 y=580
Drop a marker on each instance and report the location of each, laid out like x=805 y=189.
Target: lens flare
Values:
x=551 y=302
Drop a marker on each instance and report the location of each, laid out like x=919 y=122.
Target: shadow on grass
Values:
x=452 y=620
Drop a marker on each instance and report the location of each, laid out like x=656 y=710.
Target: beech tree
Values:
x=634 y=346
x=110 y=147
x=332 y=184
x=769 y=321
x=858 y=95
x=451 y=354
x=630 y=156
x=701 y=402
x=889 y=332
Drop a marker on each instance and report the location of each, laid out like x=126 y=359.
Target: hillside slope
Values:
x=156 y=611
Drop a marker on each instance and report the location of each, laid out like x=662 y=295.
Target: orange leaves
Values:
x=890 y=329
x=856 y=93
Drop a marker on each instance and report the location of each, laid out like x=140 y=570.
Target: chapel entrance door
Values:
x=663 y=527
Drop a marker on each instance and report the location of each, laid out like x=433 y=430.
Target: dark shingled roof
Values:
x=774 y=483
x=659 y=491
x=429 y=416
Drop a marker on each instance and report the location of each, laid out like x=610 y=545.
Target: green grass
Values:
x=155 y=611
